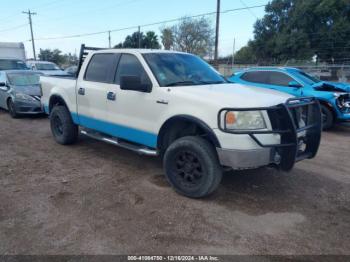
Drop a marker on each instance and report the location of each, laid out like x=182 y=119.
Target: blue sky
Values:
x=70 y=17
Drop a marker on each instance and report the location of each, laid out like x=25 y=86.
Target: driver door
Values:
x=281 y=82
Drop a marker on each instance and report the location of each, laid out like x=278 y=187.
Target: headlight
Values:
x=244 y=120
x=24 y=97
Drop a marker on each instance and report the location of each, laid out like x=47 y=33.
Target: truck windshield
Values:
x=12 y=64
x=23 y=79
x=46 y=66
x=176 y=69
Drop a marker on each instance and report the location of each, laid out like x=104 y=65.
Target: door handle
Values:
x=81 y=91
x=111 y=96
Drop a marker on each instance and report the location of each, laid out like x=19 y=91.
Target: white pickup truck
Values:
x=175 y=105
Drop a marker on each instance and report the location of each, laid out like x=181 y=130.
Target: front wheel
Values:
x=63 y=129
x=192 y=167
x=327 y=118
x=12 y=109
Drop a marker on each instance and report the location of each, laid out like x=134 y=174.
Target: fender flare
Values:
x=60 y=98
x=209 y=131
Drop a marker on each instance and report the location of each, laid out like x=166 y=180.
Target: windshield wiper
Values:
x=179 y=83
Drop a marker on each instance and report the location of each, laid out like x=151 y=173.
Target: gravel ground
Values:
x=94 y=198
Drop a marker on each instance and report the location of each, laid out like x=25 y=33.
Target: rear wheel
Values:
x=192 y=167
x=12 y=109
x=327 y=118
x=63 y=129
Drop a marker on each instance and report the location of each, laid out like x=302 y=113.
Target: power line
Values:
x=14 y=28
x=94 y=10
x=250 y=11
x=144 y=25
x=9 y=20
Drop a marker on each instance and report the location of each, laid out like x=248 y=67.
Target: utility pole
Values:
x=109 y=39
x=234 y=51
x=139 y=37
x=217 y=31
x=31 y=29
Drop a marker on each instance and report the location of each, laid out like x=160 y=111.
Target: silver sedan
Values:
x=20 y=92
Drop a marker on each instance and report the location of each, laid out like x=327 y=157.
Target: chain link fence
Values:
x=336 y=73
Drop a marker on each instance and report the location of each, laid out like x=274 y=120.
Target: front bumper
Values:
x=246 y=159
x=24 y=107
x=297 y=122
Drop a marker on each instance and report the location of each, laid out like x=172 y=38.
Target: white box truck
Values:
x=12 y=56
x=10 y=50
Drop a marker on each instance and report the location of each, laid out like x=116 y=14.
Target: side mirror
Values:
x=134 y=83
x=3 y=86
x=294 y=84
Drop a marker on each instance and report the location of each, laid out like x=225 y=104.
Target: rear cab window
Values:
x=101 y=67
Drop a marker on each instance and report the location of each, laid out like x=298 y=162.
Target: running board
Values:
x=114 y=141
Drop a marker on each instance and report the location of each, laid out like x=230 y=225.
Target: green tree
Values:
x=149 y=41
x=167 y=38
x=194 y=36
x=54 y=56
x=57 y=57
x=297 y=29
x=245 y=55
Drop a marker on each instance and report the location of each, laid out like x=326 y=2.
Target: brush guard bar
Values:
x=299 y=124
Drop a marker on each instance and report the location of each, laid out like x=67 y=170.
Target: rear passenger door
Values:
x=134 y=113
x=92 y=90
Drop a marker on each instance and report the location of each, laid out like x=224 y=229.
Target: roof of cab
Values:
x=138 y=51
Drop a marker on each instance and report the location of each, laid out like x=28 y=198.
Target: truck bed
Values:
x=67 y=90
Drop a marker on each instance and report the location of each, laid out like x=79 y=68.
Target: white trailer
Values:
x=10 y=50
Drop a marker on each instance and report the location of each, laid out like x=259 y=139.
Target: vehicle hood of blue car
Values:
x=32 y=90
x=332 y=87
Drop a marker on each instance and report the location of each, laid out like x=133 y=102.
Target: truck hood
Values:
x=332 y=87
x=234 y=95
x=33 y=90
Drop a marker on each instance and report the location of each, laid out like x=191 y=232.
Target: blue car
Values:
x=334 y=97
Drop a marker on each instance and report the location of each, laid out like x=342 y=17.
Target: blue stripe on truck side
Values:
x=119 y=131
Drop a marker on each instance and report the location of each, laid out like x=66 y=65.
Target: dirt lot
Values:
x=94 y=198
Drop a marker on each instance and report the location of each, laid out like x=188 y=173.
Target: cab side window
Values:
x=101 y=68
x=259 y=77
x=279 y=79
x=129 y=65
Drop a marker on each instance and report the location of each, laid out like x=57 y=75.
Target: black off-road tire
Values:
x=12 y=109
x=327 y=118
x=63 y=129
x=192 y=167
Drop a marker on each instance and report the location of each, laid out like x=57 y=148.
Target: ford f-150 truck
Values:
x=175 y=105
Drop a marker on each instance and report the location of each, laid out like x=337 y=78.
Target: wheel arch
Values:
x=329 y=106
x=175 y=127
x=56 y=100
